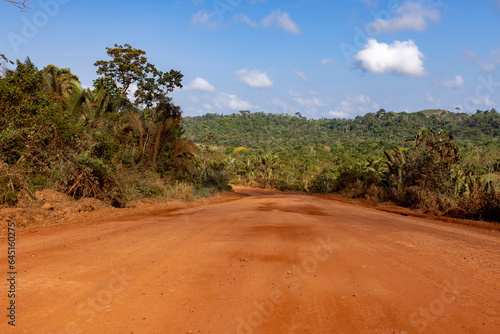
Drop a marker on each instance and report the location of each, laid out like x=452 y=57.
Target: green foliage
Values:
x=210 y=173
x=127 y=67
x=32 y=118
x=261 y=130
x=423 y=172
x=8 y=190
x=428 y=166
x=54 y=133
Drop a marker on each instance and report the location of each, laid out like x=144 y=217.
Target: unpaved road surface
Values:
x=260 y=263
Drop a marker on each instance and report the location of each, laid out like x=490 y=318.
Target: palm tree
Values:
x=60 y=81
x=160 y=132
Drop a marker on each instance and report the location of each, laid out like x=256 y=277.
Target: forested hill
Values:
x=278 y=130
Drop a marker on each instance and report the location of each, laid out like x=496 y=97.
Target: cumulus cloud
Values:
x=401 y=58
x=203 y=18
x=326 y=61
x=488 y=64
x=280 y=106
x=429 y=98
x=282 y=20
x=338 y=114
x=370 y=3
x=475 y=103
x=354 y=104
x=254 y=78
x=201 y=85
x=310 y=103
x=230 y=101
x=457 y=82
x=301 y=75
x=411 y=15
x=242 y=18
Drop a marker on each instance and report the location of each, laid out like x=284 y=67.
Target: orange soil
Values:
x=254 y=262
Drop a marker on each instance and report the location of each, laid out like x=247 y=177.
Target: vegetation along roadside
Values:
x=103 y=143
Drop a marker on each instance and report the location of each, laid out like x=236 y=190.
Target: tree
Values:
x=3 y=62
x=33 y=121
x=127 y=67
x=429 y=166
x=130 y=66
x=60 y=80
x=153 y=118
x=108 y=86
x=154 y=86
x=4 y=59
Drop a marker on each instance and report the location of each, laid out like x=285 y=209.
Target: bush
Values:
x=210 y=174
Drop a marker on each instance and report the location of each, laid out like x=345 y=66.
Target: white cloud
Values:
x=309 y=103
x=487 y=67
x=338 y=114
x=489 y=64
x=131 y=91
x=360 y=99
x=282 y=107
x=254 y=78
x=201 y=85
x=68 y=54
x=242 y=18
x=411 y=15
x=225 y=100
x=356 y=104
x=207 y=106
x=203 y=18
x=301 y=75
x=370 y=3
x=282 y=20
x=401 y=58
x=457 y=82
x=326 y=61
x=469 y=55
x=429 y=98
x=475 y=103
x=487 y=102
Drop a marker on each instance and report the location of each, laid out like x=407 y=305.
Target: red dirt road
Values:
x=262 y=263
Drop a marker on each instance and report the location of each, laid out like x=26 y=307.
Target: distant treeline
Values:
x=280 y=130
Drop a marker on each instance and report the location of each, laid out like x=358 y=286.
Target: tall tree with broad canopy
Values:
x=128 y=66
x=153 y=116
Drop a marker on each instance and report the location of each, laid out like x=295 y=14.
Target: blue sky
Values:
x=321 y=58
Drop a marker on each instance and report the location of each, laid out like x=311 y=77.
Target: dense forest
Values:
x=278 y=130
